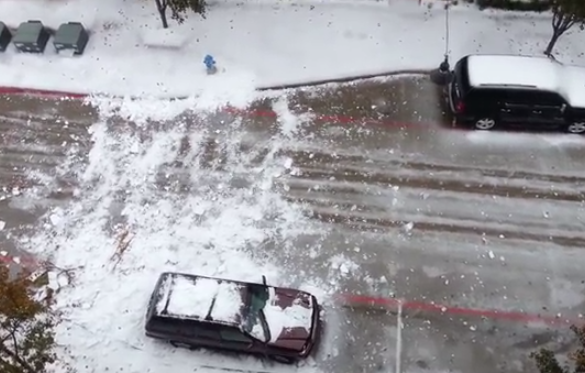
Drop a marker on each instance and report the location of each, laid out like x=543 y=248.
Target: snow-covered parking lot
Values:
x=397 y=209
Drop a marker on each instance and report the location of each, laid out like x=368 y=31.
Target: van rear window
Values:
x=461 y=80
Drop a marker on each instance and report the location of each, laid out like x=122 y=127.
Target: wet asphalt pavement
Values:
x=416 y=210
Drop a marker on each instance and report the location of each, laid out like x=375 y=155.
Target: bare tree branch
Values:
x=27 y=367
x=566 y=14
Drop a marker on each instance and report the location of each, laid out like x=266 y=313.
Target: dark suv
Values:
x=197 y=311
x=533 y=93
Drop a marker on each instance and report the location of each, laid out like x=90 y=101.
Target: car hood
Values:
x=289 y=314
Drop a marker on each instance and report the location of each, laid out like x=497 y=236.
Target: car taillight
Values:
x=460 y=107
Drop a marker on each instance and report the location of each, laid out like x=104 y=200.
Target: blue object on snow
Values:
x=209 y=62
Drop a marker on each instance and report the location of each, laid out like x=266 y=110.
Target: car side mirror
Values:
x=263 y=280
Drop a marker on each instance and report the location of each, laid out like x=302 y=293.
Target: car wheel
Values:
x=484 y=124
x=576 y=128
x=283 y=359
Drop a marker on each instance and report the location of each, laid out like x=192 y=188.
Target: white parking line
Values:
x=399 y=338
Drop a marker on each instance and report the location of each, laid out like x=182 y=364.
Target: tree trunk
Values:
x=161 y=6
x=551 y=44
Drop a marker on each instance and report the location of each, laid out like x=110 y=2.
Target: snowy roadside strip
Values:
x=64 y=95
x=336 y=119
x=405 y=308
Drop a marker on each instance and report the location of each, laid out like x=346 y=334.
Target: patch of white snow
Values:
x=279 y=319
x=189 y=298
x=228 y=302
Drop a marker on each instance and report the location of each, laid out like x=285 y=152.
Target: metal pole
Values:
x=447 y=28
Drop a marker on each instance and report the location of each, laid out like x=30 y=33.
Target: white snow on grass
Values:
x=125 y=185
x=261 y=43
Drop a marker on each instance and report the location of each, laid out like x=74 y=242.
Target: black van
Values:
x=532 y=93
x=192 y=311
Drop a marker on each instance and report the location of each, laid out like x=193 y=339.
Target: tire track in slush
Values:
x=354 y=191
x=40 y=144
x=357 y=193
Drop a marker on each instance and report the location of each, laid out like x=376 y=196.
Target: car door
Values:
x=234 y=339
x=548 y=110
x=516 y=108
x=483 y=102
x=205 y=334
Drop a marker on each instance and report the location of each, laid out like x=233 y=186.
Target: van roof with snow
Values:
x=201 y=311
x=528 y=72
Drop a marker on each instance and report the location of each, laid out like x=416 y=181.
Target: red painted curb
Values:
x=25 y=260
x=336 y=119
x=513 y=316
x=41 y=92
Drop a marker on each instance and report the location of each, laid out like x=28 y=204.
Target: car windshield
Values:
x=254 y=321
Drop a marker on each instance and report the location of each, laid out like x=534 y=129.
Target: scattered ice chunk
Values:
x=3 y=253
x=545 y=214
x=344 y=269
x=473 y=328
x=335 y=352
x=502 y=259
x=491 y=254
x=2 y=224
x=368 y=280
x=54 y=282
x=55 y=218
x=408 y=227
x=288 y=163
x=16 y=259
x=135 y=148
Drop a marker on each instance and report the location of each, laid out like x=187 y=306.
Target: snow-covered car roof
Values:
x=530 y=71
x=201 y=298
